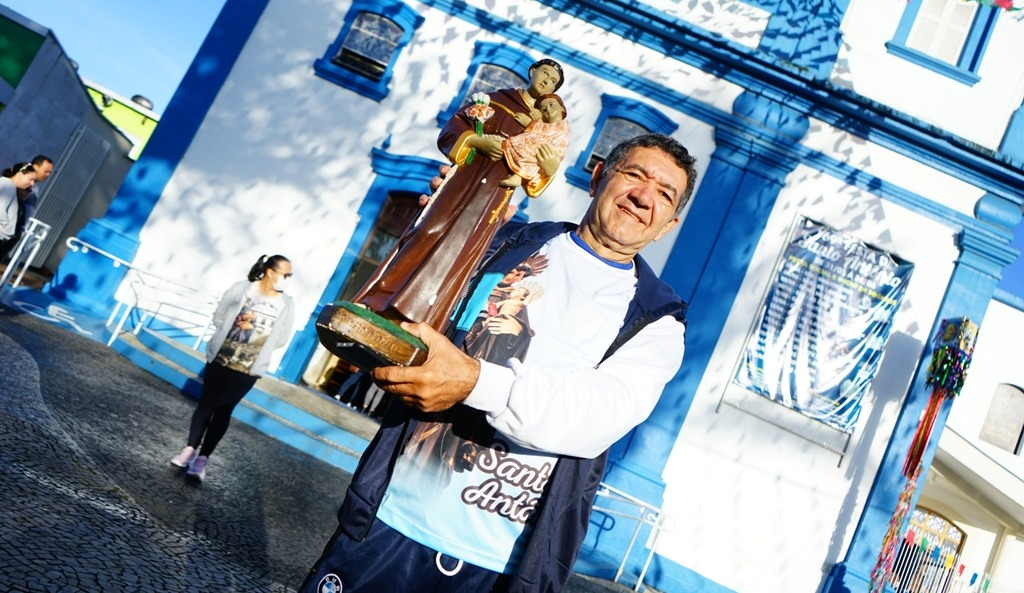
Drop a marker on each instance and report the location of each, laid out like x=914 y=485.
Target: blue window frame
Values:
x=494 y=67
x=370 y=41
x=946 y=36
x=620 y=119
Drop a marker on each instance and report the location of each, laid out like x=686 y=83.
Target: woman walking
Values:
x=253 y=318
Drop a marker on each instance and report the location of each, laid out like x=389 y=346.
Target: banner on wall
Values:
x=819 y=336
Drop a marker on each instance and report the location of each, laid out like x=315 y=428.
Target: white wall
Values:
x=995 y=361
x=978 y=113
x=282 y=161
x=750 y=499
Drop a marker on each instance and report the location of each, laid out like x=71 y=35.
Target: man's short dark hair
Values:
x=41 y=159
x=669 y=146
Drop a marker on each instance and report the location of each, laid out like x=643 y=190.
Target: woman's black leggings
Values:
x=223 y=388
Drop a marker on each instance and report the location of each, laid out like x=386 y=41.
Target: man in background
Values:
x=28 y=201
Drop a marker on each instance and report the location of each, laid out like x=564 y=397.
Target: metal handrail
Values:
x=33 y=237
x=153 y=296
x=645 y=514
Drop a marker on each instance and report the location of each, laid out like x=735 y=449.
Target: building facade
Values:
x=860 y=183
x=45 y=109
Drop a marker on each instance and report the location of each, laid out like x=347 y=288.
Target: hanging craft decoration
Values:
x=954 y=346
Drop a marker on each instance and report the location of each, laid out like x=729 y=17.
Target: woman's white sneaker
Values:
x=185 y=458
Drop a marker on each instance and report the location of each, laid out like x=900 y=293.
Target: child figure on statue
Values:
x=547 y=126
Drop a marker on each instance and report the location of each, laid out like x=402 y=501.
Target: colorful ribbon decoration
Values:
x=954 y=346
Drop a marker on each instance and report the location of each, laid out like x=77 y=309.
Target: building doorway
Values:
x=326 y=372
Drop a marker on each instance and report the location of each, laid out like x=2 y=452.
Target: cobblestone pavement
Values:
x=91 y=503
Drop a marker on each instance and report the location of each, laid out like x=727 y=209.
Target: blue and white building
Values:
x=308 y=129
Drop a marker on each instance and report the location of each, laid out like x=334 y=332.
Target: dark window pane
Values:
x=368 y=47
x=399 y=209
x=491 y=78
x=615 y=130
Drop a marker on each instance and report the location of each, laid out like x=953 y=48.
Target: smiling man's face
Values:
x=634 y=203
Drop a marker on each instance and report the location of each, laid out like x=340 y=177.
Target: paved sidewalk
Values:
x=90 y=502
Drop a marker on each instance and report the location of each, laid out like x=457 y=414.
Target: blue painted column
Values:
x=754 y=155
x=983 y=254
x=1012 y=146
x=87 y=279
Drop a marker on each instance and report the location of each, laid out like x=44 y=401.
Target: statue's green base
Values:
x=363 y=338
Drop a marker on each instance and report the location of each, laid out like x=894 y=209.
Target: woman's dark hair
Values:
x=553 y=64
x=259 y=269
x=666 y=144
x=16 y=168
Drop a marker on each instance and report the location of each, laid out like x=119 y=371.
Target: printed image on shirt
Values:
x=502 y=329
x=501 y=332
x=248 y=333
x=485 y=485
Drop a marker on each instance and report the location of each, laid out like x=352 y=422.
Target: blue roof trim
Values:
x=872 y=127
x=26 y=22
x=732 y=62
x=1010 y=300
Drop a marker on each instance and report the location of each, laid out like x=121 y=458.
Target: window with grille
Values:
x=494 y=66
x=365 y=51
x=1004 y=422
x=621 y=118
x=946 y=36
x=368 y=47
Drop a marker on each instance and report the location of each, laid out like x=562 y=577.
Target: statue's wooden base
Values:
x=359 y=336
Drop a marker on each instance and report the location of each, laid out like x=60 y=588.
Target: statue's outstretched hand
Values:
x=547 y=160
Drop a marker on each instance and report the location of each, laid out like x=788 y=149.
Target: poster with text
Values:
x=820 y=334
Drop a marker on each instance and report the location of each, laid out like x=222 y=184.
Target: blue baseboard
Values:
x=264 y=412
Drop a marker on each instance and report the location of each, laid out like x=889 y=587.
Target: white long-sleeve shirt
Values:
x=553 y=398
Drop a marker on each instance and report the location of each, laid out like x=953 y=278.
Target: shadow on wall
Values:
x=889 y=389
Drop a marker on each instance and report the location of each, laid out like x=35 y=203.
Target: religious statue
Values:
x=424 y=276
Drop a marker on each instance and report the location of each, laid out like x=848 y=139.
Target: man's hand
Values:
x=547 y=160
x=435 y=182
x=446 y=378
